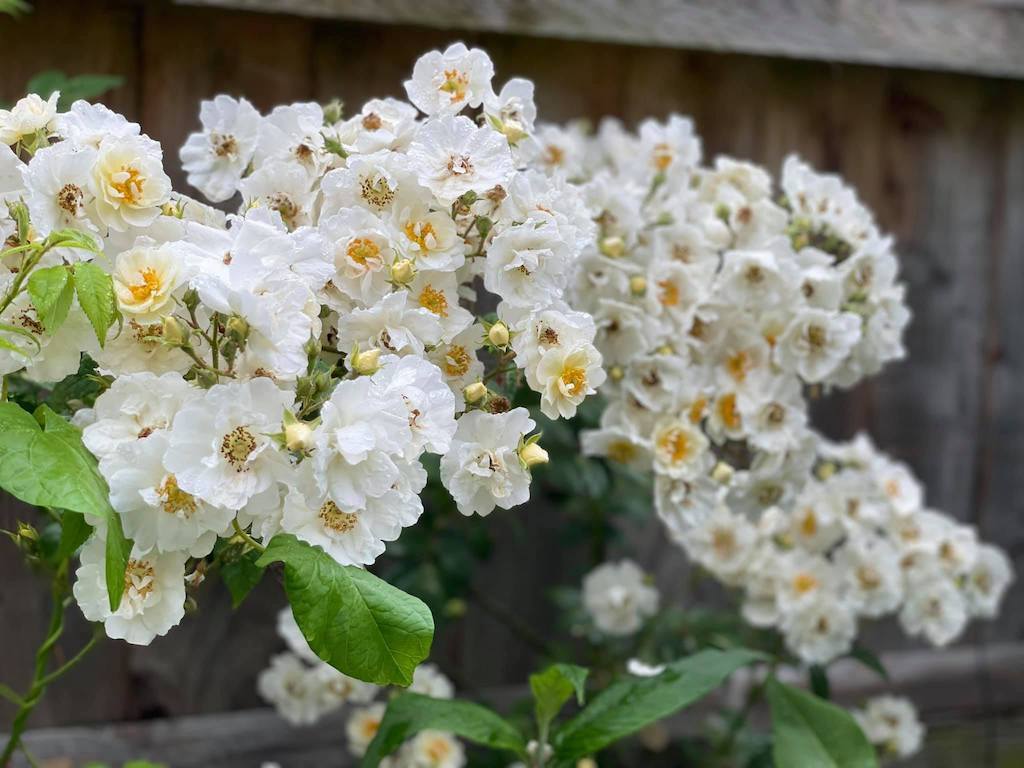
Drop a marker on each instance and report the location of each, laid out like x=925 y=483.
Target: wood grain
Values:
x=938 y=156
x=981 y=37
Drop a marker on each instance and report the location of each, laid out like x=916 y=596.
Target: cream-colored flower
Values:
x=146 y=277
x=130 y=183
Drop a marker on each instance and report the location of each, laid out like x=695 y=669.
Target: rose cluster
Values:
x=722 y=304
x=304 y=689
x=284 y=368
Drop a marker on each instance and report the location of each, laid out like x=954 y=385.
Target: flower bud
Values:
x=532 y=454
x=173 y=334
x=513 y=131
x=498 y=335
x=613 y=247
x=190 y=299
x=475 y=392
x=586 y=762
x=237 y=330
x=638 y=285
x=616 y=373
x=298 y=437
x=403 y=271
x=365 y=363
x=455 y=608
x=722 y=473
x=333 y=111
x=205 y=378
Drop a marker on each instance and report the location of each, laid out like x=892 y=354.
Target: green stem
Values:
x=246 y=537
x=40 y=679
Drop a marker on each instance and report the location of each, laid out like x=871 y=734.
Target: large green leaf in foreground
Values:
x=356 y=622
x=632 y=703
x=809 y=731
x=411 y=713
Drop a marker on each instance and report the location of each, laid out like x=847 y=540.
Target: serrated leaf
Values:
x=809 y=731
x=43 y=462
x=632 y=703
x=49 y=467
x=411 y=713
x=72 y=238
x=51 y=290
x=11 y=347
x=360 y=625
x=96 y=297
x=553 y=687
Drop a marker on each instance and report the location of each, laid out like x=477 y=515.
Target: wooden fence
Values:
x=938 y=156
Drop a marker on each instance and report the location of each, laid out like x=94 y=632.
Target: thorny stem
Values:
x=40 y=679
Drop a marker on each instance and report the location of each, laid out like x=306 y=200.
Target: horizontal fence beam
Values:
x=975 y=36
x=943 y=683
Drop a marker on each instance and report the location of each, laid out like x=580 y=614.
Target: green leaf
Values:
x=96 y=297
x=15 y=8
x=72 y=88
x=411 y=713
x=357 y=623
x=553 y=687
x=49 y=467
x=74 y=530
x=241 y=575
x=809 y=731
x=632 y=703
x=72 y=238
x=10 y=347
x=51 y=290
x=118 y=552
x=869 y=659
x=817 y=677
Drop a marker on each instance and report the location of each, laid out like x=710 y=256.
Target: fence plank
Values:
x=981 y=37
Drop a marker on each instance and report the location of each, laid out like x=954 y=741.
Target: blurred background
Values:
x=919 y=105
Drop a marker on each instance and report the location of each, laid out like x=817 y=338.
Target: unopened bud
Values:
x=586 y=762
x=333 y=111
x=532 y=454
x=475 y=392
x=455 y=608
x=825 y=470
x=403 y=271
x=173 y=334
x=616 y=372
x=498 y=335
x=513 y=131
x=27 y=532
x=190 y=299
x=722 y=473
x=298 y=437
x=365 y=363
x=238 y=330
x=613 y=247
x=638 y=285
x=204 y=377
